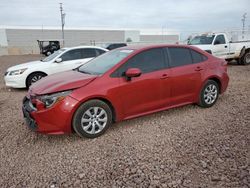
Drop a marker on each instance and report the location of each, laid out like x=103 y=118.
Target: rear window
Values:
x=99 y=52
x=88 y=53
x=197 y=57
x=180 y=57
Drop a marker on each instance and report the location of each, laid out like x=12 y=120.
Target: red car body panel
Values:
x=61 y=82
x=56 y=120
x=148 y=93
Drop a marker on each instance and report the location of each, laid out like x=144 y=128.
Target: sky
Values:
x=181 y=15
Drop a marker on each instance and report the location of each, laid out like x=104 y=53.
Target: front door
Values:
x=220 y=48
x=70 y=60
x=149 y=91
x=74 y=58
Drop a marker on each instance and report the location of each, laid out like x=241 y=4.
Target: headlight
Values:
x=17 y=72
x=50 y=100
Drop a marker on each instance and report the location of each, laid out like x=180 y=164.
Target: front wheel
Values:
x=34 y=77
x=209 y=94
x=92 y=119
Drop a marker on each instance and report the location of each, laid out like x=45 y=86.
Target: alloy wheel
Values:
x=94 y=120
x=35 y=78
x=210 y=94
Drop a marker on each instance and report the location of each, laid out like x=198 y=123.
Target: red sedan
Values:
x=122 y=84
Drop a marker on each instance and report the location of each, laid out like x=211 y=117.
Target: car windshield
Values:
x=52 y=56
x=204 y=39
x=103 y=63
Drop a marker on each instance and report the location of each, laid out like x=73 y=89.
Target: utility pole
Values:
x=164 y=26
x=243 y=24
x=62 y=21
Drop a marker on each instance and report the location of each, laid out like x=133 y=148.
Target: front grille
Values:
x=27 y=109
x=27 y=104
x=5 y=74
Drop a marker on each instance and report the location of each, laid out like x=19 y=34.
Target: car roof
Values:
x=80 y=47
x=145 y=47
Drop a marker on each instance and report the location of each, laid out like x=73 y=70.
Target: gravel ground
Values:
x=183 y=147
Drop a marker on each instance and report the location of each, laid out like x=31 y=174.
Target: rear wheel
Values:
x=246 y=58
x=92 y=119
x=209 y=94
x=34 y=77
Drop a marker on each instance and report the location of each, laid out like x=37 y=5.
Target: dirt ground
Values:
x=183 y=147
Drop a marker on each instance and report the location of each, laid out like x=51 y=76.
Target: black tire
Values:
x=209 y=94
x=34 y=77
x=93 y=129
x=245 y=60
x=238 y=61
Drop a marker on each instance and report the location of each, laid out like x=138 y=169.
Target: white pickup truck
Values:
x=220 y=46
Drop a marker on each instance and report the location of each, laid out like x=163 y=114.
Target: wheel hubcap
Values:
x=94 y=120
x=247 y=58
x=210 y=94
x=35 y=79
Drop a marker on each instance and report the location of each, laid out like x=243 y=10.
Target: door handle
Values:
x=164 y=76
x=226 y=46
x=198 y=69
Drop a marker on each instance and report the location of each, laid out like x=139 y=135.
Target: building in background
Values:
x=23 y=40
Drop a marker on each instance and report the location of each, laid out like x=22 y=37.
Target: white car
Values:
x=23 y=75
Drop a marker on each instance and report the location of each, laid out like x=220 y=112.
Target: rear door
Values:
x=149 y=91
x=187 y=67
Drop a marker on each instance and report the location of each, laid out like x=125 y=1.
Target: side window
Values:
x=197 y=57
x=179 y=56
x=147 y=61
x=72 y=55
x=99 y=52
x=88 y=52
x=220 y=39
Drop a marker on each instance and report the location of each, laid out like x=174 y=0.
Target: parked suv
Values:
x=23 y=75
x=123 y=84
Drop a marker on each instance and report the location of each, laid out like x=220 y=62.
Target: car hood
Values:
x=26 y=65
x=60 y=82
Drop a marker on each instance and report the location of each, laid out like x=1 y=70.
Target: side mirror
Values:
x=216 y=42
x=58 y=60
x=132 y=72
